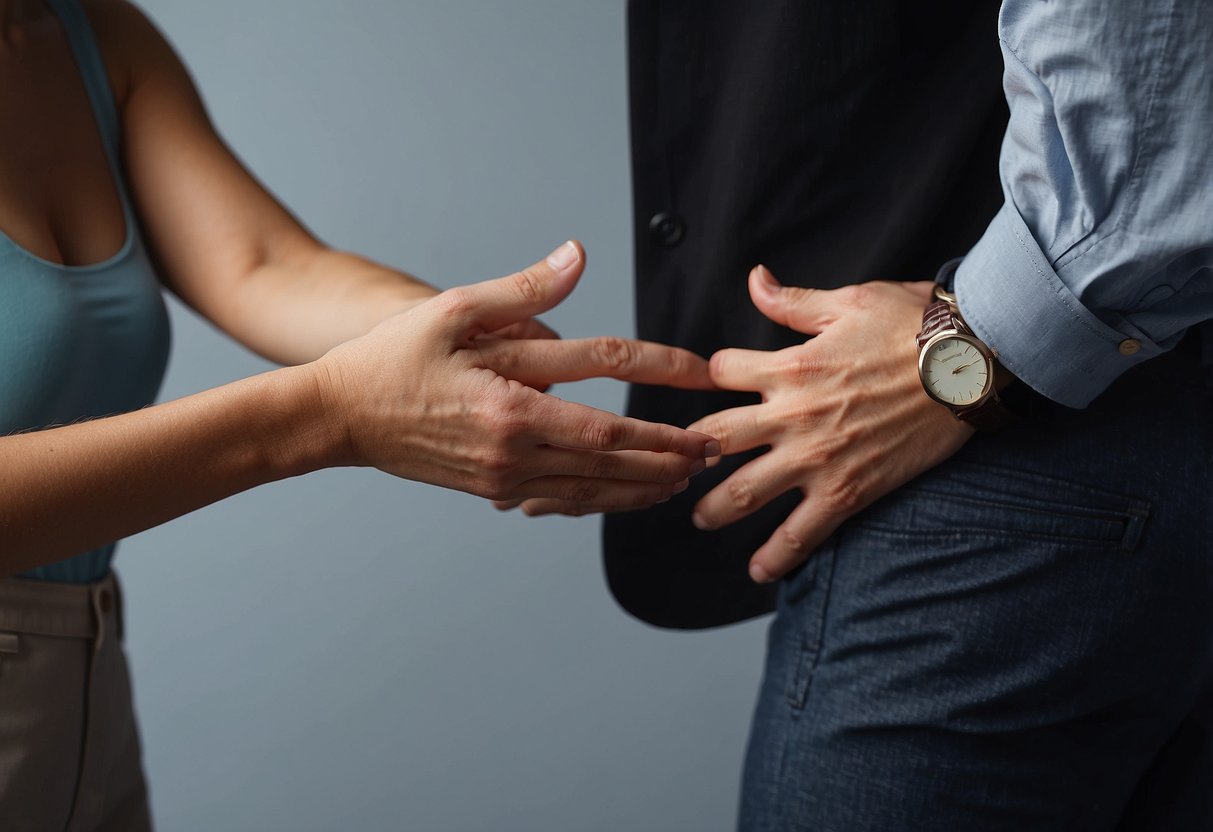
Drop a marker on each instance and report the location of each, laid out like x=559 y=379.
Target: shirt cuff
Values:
x=1016 y=304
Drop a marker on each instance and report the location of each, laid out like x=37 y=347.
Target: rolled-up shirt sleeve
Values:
x=1102 y=255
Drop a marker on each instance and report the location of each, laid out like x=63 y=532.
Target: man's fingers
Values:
x=746 y=490
x=641 y=362
x=573 y=425
x=808 y=311
x=496 y=304
x=751 y=371
x=737 y=429
x=804 y=530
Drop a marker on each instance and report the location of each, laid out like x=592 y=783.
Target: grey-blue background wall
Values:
x=350 y=651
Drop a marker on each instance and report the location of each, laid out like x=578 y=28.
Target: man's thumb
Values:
x=805 y=310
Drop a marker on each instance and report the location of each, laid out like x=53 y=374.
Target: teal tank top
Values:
x=81 y=341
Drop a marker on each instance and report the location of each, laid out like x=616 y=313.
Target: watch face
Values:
x=956 y=372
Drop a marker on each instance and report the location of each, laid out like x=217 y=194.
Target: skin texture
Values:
x=844 y=415
x=442 y=388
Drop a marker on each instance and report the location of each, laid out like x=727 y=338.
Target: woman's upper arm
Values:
x=206 y=219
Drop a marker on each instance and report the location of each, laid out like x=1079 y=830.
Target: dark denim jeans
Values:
x=1020 y=639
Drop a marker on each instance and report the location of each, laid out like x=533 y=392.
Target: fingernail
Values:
x=698 y=465
x=711 y=449
x=759 y=575
x=681 y=487
x=766 y=278
x=563 y=257
x=701 y=523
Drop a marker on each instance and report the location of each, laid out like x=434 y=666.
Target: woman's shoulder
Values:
x=129 y=42
x=114 y=14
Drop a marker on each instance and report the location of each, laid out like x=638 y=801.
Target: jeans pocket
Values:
x=983 y=502
x=803 y=604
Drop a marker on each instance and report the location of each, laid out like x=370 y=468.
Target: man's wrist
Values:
x=977 y=396
x=1014 y=395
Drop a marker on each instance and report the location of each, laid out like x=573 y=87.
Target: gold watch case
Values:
x=957 y=332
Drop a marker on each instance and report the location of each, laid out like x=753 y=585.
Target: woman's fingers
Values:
x=541 y=507
x=495 y=304
x=603 y=495
x=628 y=467
x=572 y=425
x=542 y=362
x=531 y=328
x=636 y=466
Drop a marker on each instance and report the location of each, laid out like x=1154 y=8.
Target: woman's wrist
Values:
x=303 y=429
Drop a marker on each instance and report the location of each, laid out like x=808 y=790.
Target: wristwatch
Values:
x=957 y=370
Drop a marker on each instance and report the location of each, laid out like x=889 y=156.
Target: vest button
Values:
x=667 y=228
x=1129 y=346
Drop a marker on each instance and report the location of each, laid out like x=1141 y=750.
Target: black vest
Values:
x=836 y=142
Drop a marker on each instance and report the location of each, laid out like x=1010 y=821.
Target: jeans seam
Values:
x=811 y=639
x=1027 y=505
x=1125 y=544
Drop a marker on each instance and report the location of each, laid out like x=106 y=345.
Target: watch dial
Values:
x=956 y=371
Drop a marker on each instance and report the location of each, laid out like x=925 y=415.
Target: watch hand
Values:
x=964 y=366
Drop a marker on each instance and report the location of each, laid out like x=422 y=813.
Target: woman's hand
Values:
x=430 y=395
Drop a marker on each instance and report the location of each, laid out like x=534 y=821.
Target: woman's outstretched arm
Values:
x=421 y=396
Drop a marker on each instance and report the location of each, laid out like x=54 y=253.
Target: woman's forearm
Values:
x=296 y=307
x=70 y=489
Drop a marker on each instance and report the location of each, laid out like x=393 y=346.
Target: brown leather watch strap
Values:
x=989 y=415
x=937 y=317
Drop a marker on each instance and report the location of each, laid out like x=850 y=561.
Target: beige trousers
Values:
x=69 y=748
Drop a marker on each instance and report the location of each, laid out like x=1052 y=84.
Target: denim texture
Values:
x=1021 y=638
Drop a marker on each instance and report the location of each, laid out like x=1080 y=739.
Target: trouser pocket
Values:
x=803 y=605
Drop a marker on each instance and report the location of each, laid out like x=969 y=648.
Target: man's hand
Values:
x=844 y=414
x=436 y=394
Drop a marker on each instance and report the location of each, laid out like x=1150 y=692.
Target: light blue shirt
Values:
x=1106 y=235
